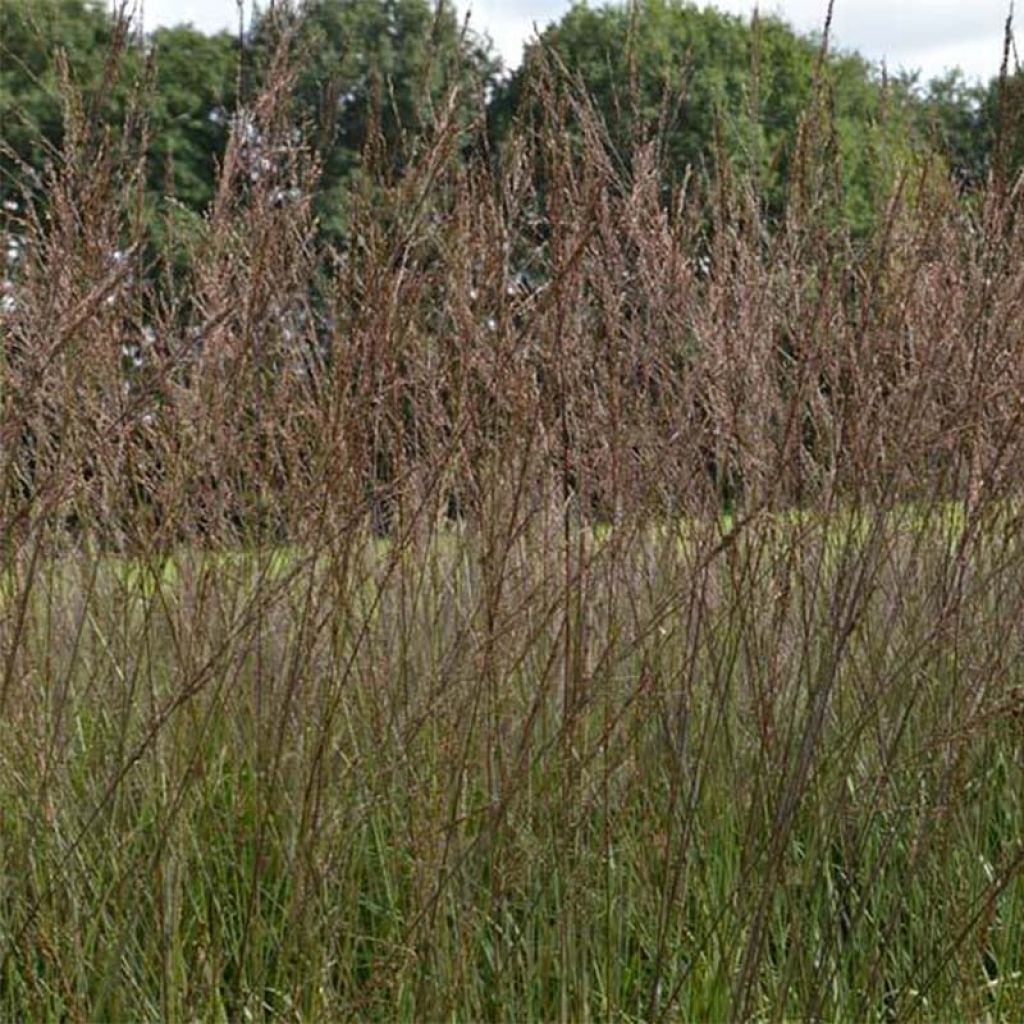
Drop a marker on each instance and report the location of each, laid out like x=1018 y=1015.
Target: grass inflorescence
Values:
x=566 y=602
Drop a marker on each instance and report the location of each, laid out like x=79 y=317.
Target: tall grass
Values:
x=569 y=601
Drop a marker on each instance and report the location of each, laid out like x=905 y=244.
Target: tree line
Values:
x=369 y=75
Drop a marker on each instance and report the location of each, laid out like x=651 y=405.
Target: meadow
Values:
x=569 y=601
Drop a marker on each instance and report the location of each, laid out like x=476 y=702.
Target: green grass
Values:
x=353 y=785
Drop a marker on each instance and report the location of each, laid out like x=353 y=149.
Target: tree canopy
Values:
x=373 y=66
x=195 y=90
x=378 y=71
x=32 y=33
x=730 y=87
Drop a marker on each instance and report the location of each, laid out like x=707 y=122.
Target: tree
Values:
x=32 y=32
x=189 y=90
x=373 y=71
x=1002 y=120
x=730 y=84
x=194 y=93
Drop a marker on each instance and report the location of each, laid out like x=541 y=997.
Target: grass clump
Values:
x=392 y=639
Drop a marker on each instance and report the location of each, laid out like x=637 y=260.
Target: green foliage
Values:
x=194 y=93
x=374 y=75
x=958 y=115
x=728 y=88
x=32 y=33
x=1003 y=116
x=977 y=127
x=189 y=91
x=629 y=67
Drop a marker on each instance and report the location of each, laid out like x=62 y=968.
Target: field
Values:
x=567 y=603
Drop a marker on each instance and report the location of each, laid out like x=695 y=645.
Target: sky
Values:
x=926 y=35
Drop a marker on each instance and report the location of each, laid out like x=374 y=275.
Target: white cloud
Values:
x=205 y=15
x=928 y=34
